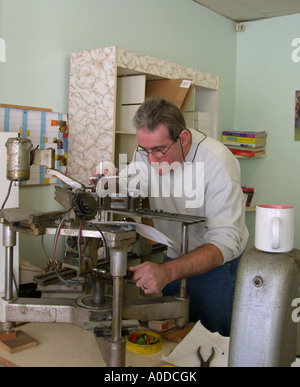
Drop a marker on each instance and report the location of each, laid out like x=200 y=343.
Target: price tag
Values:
x=185 y=83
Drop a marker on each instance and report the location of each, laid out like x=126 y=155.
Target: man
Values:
x=171 y=155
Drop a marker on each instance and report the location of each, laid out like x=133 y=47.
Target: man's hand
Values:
x=153 y=277
x=150 y=277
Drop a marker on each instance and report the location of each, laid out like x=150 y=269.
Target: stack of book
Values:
x=246 y=144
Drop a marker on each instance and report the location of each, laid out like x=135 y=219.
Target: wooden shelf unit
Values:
x=95 y=75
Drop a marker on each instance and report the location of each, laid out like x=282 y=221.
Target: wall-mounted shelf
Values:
x=248 y=157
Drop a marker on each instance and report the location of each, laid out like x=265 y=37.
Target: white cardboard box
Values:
x=125 y=115
x=131 y=90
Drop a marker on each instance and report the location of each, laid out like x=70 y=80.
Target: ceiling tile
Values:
x=245 y=10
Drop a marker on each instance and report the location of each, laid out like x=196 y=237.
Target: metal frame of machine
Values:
x=262 y=331
x=85 y=205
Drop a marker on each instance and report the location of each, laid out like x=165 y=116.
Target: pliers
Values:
x=208 y=361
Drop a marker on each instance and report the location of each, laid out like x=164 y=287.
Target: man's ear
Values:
x=185 y=136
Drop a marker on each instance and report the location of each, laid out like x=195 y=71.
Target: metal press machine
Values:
x=86 y=216
x=266 y=303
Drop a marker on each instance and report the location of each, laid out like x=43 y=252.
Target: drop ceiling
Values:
x=248 y=10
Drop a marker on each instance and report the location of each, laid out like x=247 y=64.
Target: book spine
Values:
x=239 y=134
x=243 y=153
x=251 y=148
x=239 y=139
x=242 y=145
x=244 y=134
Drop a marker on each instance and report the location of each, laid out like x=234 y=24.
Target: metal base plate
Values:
x=86 y=302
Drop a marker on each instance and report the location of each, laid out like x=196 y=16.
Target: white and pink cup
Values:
x=274 y=228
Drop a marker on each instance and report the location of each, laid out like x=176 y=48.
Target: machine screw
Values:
x=258 y=282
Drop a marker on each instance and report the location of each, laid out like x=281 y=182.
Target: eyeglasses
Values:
x=156 y=153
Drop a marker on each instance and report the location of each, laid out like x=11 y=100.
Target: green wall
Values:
x=40 y=35
x=267 y=78
x=258 y=78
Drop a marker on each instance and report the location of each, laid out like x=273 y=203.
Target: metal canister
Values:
x=18 y=159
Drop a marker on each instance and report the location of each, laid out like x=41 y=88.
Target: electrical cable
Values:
x=7 y=195
x=42 y=238
x=105 y=251
x=191 y=162
x=71 y=281
x=43 y=246
x=54 y=250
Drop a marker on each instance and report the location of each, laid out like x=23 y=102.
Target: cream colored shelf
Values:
x=247 y=157
x=126 y=133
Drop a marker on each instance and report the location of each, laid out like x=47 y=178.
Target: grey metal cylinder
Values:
x=9 y=241
x=117 y=308
x=7 y=326
x=118 y=263
x=99 y=293
x=18 y=159
x=9 y=267
x=9 y=236
x=262 y=331
x=117 y=353
x=118 y=269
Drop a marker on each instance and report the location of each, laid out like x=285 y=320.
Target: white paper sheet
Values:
x=185 y=354
x=146 y=231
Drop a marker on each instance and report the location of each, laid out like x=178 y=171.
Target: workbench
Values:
x=67 y=345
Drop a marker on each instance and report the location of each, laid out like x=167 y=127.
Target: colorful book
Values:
x=244 y=134
x=256 y=148
x=245 y=140
x=247 y=153
x=243 y=144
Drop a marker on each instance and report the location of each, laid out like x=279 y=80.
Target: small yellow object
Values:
x=147 y=349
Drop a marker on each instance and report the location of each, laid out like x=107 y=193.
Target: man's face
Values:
x=160 y=141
